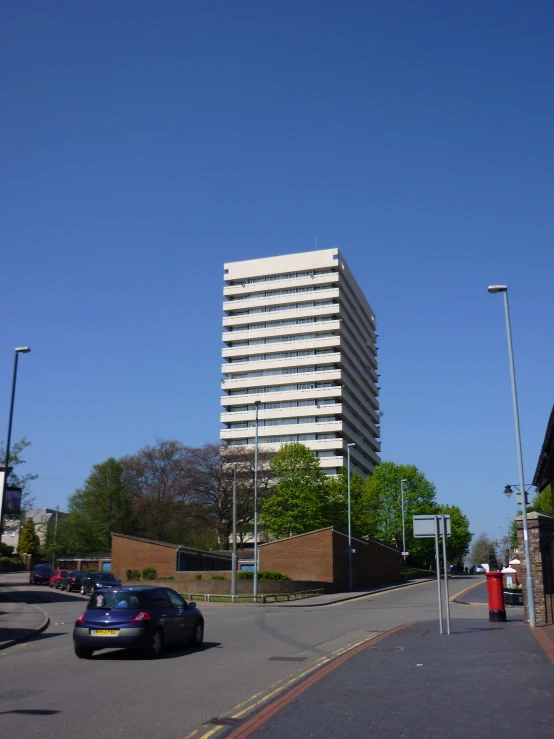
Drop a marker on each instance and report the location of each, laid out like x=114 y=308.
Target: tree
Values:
x=159 y=480
x=457 y=544
x=481 y=550
x=298 y=500
x=542 y=502
x=336 y=509
x=28 y=539
x=210 y=470
x=13 y=521
x=382 y=498
x=104 y=504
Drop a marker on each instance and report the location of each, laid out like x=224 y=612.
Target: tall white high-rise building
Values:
x=300 y=338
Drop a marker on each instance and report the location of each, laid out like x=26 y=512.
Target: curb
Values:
x=456 y=598
x=32 y=632
x=355 y=597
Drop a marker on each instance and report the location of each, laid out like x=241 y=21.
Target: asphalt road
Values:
x=47 y=691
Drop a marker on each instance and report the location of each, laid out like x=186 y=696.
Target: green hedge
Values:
x=149 y=573
x=262 y=575
x=133 y=575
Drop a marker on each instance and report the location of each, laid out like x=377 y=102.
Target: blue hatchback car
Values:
x=145 y=618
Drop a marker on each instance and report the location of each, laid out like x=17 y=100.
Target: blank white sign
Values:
x=424 y=526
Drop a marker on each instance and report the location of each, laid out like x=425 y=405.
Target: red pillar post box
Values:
x=495 y=590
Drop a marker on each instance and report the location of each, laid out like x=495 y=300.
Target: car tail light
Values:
x=142 y=616
x=81 y=619
x=72 y=579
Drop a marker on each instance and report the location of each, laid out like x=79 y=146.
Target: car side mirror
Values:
x=192 y=604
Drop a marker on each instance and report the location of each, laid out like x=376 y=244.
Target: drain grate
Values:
x=386 y=649
x=412 y=632
x=287 y=659
x=224 y=721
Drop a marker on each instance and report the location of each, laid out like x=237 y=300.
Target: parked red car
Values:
x=56 y=579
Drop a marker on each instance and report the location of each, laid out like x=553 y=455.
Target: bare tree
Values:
x=210 y=470
x=159 y=479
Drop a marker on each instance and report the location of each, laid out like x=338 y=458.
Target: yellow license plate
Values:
x=105 y=632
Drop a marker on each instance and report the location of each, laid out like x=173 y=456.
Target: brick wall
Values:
x=129 y=554
x=320 y=556
x=541 y=546
x=244 y=587
x=307 y=557
x=372 y=563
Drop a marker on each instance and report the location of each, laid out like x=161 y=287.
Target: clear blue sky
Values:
x=144 y=144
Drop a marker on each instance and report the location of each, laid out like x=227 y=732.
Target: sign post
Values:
x=427 y=527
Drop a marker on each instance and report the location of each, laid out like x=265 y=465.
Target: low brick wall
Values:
x=223 y=587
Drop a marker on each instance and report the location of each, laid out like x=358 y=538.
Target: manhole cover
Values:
x=412 y=632
x=224 y=721
x=288 y=659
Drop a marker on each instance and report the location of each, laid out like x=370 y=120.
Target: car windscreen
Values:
x=107 y=577
x=43 y=568
x=116 y=599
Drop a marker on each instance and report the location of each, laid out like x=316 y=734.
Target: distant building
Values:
x=41 y=518
x=300 y=338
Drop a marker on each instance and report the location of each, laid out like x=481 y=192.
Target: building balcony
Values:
x=284 y=315
x=297 y=378
x=240 y=351
x=233 y=368
x=229 y=401
x=333 y=409
x=329 y=278
x=267 y=333
x=297 y=428
x=267 y=300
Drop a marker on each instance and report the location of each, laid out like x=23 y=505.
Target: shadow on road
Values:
x=46 y=595
x=171 y=653
x=31 y=711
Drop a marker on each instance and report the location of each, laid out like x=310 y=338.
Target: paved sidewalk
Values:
x=485 y=680
x=19 y=621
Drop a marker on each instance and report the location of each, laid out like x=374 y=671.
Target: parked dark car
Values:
x=72 y=580
x=97 y=580
x=41 y=574
x=142 y=617
x=56 y=579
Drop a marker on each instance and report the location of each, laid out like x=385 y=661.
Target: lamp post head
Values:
x=497 y=288
x=22 y=349
x=257 y=402
x=351 y=444
x=403 y=480
x=508 y=491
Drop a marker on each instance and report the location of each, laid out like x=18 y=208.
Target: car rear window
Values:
x=116 y=599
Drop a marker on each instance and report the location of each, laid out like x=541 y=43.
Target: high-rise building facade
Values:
x=299 y=336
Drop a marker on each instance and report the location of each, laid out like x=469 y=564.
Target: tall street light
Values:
x=529 y=579
x=403 y=525
x=18 y=350
x=255 y=588
x=349 y=523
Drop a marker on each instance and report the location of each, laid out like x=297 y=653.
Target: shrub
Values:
x=149 y=573
x=262 y=575
x=268 y=575
x=166 y=577
x=217 y=577
x=198 y=576
x=133 y=575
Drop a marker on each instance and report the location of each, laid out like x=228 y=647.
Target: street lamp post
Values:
x=234 y=558
x=255 y=588
x=529 y=579
x=349 y=523
x=403 y=526
x=18 y=350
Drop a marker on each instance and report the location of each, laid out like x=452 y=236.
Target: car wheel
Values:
x=83 y=652
x=198 y=637
x=155 y=646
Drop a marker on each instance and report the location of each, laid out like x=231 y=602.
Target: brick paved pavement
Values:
x=485 y=680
